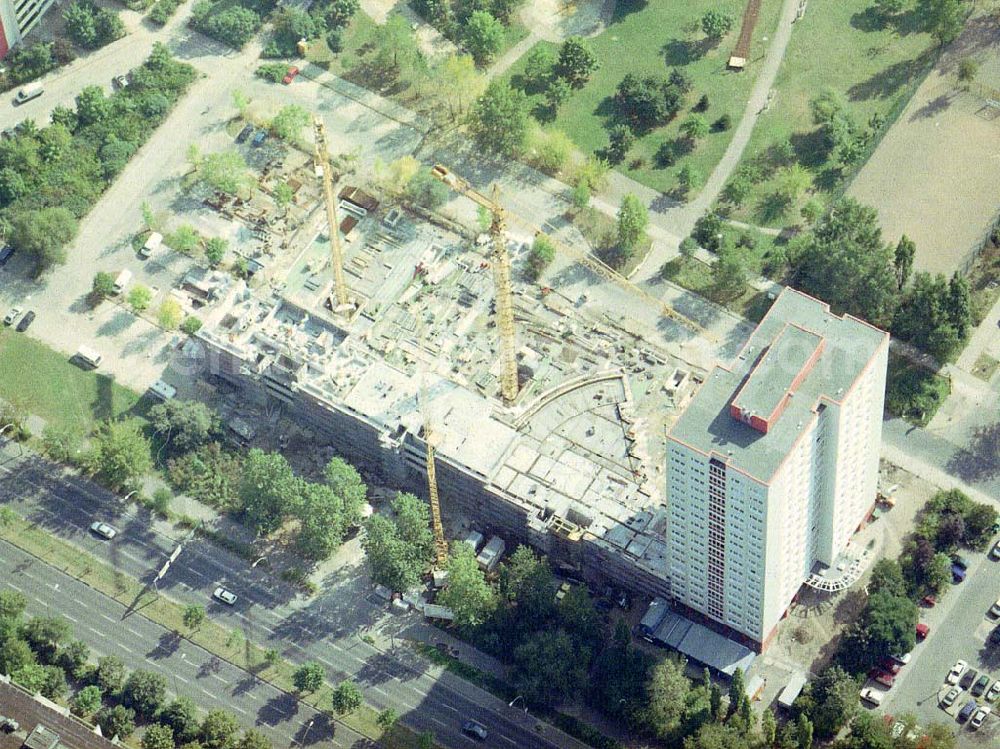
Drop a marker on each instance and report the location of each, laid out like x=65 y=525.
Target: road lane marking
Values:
x=216 y=676
x=453 y=709
x=108 y=618
x=19 y=590
x=96 y=632
x=510 y=741
x=210 y=694
x=239 y=709
x=125 y=648
x=180 y=678
x=443 y=725
x=71 y=618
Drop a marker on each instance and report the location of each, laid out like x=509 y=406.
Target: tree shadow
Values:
x=772 y=207
x=934 y=107
x=679 y=52
x=320 y=728
x=278 y=709
x=103 y=405
x=168 y=644
x=888 y=81
x=981 y=459
x=869 y=20
x=625 y=8
x=811 y=149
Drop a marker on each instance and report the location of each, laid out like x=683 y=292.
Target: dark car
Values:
x=980 y=686
x=967 y=678
x=244 y=133
x=5 y=253
x=259 y=138
x=26 y=321
x=475 y=729
x=957 y=573
x=959 y=561
x=967 y=709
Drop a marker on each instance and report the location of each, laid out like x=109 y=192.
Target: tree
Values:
x=218 y=729
x=716 y=24
x=139 y=298
x=620 y=139
x=346 y=697
x=632 y=221
x=15 y=654
x=12 y=185
x=958 y=304
x=666 y=695
x=234 y=26
x=43 y=233
x=116 y=721
x=695 y=127
x=688 y=178
x=576 y=62
x=110 y=675
x=144 y=692
x=254 y=739
x=539 y=68
x=185 y=424
x=182 y=717
x=395 y=50
x=170 y=314
x=92 y=106
x=268 y=490
x=548 y=149
x=103 y=286
x=645 y=103
x=835 y=696
x=45 y=634
x=499 y=119
x=804 y=732
x=968 y=69
x=215 y=248
x=547 y=668
x=580 y=618
x=557 y=92
x=12 y=604
x=80 y=24
x=226 y=171
x=737 y=691
x=323 y=521
x=793 y=180
x=467 y=593
x=943 y=19
x=580 y=196
x=86 y=702
x=484 y=37
x=158 y=736
x=194 y=615
x=906 y=250
x=287 y=124
x=120 y=454
x=768 y=728
x=309 y=677
x=386 y=719
x=338 y=13
x=457 y=83
x=737 y=190
x=346 y=483
x=542 y=254
x=426 y=191
x=73 y=658
x=289 y=26
x=528 y=585
x=887 y=577
x=886 y=9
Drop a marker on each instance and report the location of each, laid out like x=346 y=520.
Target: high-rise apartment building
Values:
x=774 y=464
x=17 y=18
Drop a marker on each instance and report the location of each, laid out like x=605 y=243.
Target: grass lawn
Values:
x=696 y=276
x=986 y=366
x=914 y=392
x=835 y=45
x=651 y=39
x=46 y=383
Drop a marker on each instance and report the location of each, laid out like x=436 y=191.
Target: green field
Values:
x=651 y=39
x=835 y=45
x=45 y=382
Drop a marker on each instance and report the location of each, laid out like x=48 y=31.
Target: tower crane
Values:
x=501 y=277
x=430 y=439
x=595 y=264
x=340 y=299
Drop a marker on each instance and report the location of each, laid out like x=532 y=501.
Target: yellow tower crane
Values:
x=584 y=258
x=430 y=439
x=340 y=299
x=501 y=276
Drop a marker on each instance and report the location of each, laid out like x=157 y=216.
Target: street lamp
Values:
x=125 y=498
x=258 y=561
x=514 y=702
x=302 y=741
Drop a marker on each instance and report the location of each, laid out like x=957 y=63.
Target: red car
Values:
x=922 y=631
x=883 y=678
x=928 y=601
x=290 y=75
x=889 y=666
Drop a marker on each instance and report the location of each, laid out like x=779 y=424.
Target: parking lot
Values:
x=959 y=630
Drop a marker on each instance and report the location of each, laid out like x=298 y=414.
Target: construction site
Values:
x=407 y=344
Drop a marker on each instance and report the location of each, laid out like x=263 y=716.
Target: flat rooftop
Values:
x=800 y=354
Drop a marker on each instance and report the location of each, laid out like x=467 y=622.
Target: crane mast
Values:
x=340 y=298
x=440 y=544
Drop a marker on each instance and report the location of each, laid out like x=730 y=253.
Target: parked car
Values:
x=995 y=608
x=959 y=561
x=874 y=696
x=890 y=666
x=902 y=659
x=290 y=75
x=956 y=672
x=103 y=530
x=928 y=601
x=244 y=133
x=882 y=677
x=995 y=553
x=12 y=316
x=922 y=631
x=966 y=712
x=259 y=138
x=9 y=725
x=226 y=596
x=993 y=692
x=957 y=574
x=120 y=81
x=475 y=729
x=980 y=686
x=949 y=699
x=29 y=317
x=968 y=678
x=5 y=252
x=979 y=716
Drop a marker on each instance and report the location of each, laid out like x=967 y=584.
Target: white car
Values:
x=995 y=608
x=979 y=716
x=874 y=696
x=226 y=596
x=995 y=553
x=956 y=672
x=994 y=692
x=903 y=659
x=12 y=316
x=949 y=699
x=103 y=530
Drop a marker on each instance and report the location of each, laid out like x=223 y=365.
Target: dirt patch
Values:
x=555 y=20
x=927 y=177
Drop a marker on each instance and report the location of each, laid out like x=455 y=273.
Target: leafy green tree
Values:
x=499 y=119
x=968 y=69
x=116 y=721
x=338 y=13
x=576 y=62
x=346 y=697
x=234 y=26
x=467 y=593
x=45 y=634
x=394 y=51
x=185 y=424
x=43 y=233
x=424 y=190
x=103 y=286
x=716 y=24
x=620 y=140
x=646 y=102
x=169 y=315
x=158 y=736
x=398 y=553
x=269 y=489
x=632 y=221
x=110 y=674
x=887 y=577
x=666 y=696
x=182 y=717
x=226 y=171
x=547 y=668
x=323 y=521
x=528 y=585
x=218 y=729
x=793 y=180
x=309 y=677
x=943 y=19
x=289 y=25
x=86 y=702
x=768 y=728
x=538 y=68
x=557 y=92
x=73 y=658
x=804 y=732
x=15 y=654
x=886 y=9
x=194 y=615
x=215 y=247
x=618 y=679
x=287 y=124
x=254 y=739
x=737 y=690
x=542 y=254
x=580 y=196
x=12 y=185
x=737 y=190
x=120 y=454
x=346 y=483
x=906 y=250
x=580 y=618
x=834 y=695
x=386 y=719
x=139 y=298
x=688 y=178
x=695 y=127
x=12 y=605
x=80 y=25
x=92 y=106
x=484 y=37
x=145 y=692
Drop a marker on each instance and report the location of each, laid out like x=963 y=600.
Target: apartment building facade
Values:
x=17 y=18
x=774 y=465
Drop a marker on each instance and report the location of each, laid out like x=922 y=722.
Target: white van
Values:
x=122 y=281
x=29 y=92
x=89 y=357
x=162 y=390
x=153 y=242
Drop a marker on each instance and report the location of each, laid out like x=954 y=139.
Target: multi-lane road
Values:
x=324 y=630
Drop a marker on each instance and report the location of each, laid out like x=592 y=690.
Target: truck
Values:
x=490 y=556
x=121 y=281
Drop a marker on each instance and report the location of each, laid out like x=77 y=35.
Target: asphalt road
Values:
x=325 y=630
x=109 y=628
x=959 y=628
